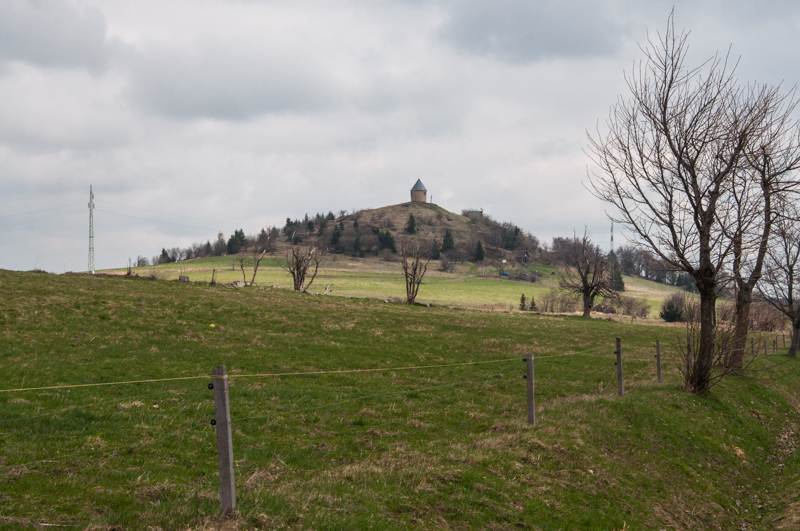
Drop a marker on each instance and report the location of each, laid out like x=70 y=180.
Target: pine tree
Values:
x=616 y=278
x=447 y=243
x=411 y=225
x=479 y=253
x=523 y=305
x=436 y=251
x=533 y=307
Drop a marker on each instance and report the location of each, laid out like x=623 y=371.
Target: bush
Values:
x=672 y=309
x=765 y=318
x=633 y=307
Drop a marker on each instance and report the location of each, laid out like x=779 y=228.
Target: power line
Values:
x=153 y=220
x=56 y=216
x=173 y=215
x=42 y=210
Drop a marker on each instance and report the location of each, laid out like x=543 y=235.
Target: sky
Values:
x=189 y=118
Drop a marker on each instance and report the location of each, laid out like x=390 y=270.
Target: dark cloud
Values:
x=521 y=31
x=52 y=33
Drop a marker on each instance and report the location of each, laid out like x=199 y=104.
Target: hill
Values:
x=432 y=436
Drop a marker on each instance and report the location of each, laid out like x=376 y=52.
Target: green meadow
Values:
x=468 y=285
x=434 y=436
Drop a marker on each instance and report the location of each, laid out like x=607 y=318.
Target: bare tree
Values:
x=668 y=161
x=782 y=271
x=766 y=176
x=257 y=261
x=298 y=263
x=414 y=267
x=584 y=272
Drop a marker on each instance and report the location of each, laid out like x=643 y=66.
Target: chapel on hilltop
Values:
x=419 y=193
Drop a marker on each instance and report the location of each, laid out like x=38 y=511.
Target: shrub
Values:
x=672 y=308
x=633 y=307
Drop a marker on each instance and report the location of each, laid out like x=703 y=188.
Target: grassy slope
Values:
x=375 y=278
x=429 y=448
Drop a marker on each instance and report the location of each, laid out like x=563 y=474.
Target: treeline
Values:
x=236 y=243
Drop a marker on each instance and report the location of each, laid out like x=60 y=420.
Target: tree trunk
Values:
x=699 y=377
x=744 y=299
x=588 y=302
x=795 y=336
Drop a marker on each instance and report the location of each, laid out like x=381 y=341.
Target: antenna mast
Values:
x=612 y=236
x=91 y=230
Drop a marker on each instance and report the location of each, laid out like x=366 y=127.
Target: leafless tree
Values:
x=668 y=162
x=766 y=176
x=414 y=267
x=782 y=270
x=584 y=272
x=298 y=263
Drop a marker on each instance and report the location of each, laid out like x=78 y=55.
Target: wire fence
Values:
x=250 y=399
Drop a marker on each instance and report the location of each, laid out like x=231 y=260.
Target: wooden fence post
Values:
x=531 y=390
x=620 y=386
x=222 y=417
x=658 y=359
x=752 y=347
x=774 y=346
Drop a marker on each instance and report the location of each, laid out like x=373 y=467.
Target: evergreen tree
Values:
x=523 y=305
x=447 y=243
x=616 y=277
x=357 y=250
x=533 y=307
x=411 y=225
x=355 y=223
x=309 y=225
x=436 y=251
x=387 y=241
x=236 y=241
x=479 y=253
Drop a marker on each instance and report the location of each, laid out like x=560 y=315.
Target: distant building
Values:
x=419 y=193
x=522 y=256
x=474 y=215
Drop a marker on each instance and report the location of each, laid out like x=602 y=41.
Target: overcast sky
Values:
x=193 y=117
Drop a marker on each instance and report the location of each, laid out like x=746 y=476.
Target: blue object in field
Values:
x=503 y=274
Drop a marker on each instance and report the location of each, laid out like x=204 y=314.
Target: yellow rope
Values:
x=253 y=375
x=369 y=370
x=99 y=384
x=344 y=371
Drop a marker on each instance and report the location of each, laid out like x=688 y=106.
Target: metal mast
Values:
x=91 y=230
x=612 y=236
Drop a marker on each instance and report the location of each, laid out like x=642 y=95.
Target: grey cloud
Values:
x=52 y=33
x=522 y=31
x=213 y=80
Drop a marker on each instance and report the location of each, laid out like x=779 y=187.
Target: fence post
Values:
x=774 y=346
x=765 y=347
x=531 y=390
x=620 y=386
x=658 y=359
x=222 y=417
x=752 y=347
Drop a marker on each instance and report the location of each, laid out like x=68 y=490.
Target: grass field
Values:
x=468 y=286
x=423 y=448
